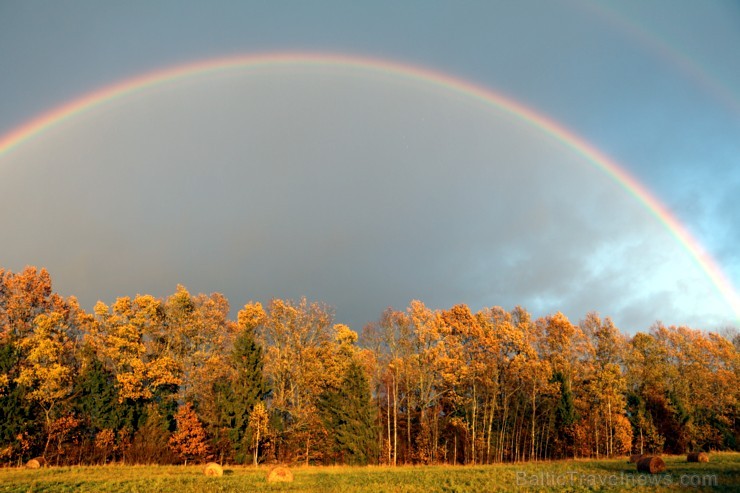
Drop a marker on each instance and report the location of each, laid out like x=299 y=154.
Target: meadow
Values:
x=722 y=473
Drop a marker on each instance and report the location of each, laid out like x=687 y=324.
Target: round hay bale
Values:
x=36 y=463
x=635 y=457
x=651 y=464
x=279 y=474
x=213 y=469
x=697 y=457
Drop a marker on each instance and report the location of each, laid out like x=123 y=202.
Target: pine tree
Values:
x=150 y=442
x=348 y=415
x=565 y=417
x=237 y=398
x=17 y=416
x=96 y=396
x=96 y=399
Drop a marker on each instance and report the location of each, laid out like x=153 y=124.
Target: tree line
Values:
x=149 y=380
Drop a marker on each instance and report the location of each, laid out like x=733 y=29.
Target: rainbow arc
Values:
x=486 y=96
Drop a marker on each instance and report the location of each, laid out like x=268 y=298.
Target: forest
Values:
x=176 y=380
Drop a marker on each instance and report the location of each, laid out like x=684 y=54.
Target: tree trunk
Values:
x=490 y=429
x=388 y=415
x=308 y=443
x=47 y=413
x=475 y=412
x=408 y=425
x=435 y=435
x=534 y=410
x=256 y=446
x=395 y=421
x=502 y=431
x=454 y=454
x=596 y=435
x=610 y=440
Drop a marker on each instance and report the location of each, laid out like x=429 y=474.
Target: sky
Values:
x=364 y=187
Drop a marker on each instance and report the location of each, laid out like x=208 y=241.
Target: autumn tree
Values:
x=197 y=335
x=488 y=343
x=396 y=335
x=130 y=341
x=299 y=339
x=60 y=431
x=189 y=441
x=696 y=406
x=37 y=332
x=434 y=365
x=23 y=297
x=507 y=342
x=606 y=388
x=259 y=422
x=649 y=375
x=48 y=368
x=464 y=367
x=105 y=442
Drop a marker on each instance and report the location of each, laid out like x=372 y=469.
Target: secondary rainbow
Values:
x=566 y=137
x=666 y=52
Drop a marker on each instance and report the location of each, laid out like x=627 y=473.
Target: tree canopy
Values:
x=171 y=380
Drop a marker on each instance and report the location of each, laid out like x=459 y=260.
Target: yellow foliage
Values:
x=345 y=335
x=46 y=371
x=622 y=434
x=251 y=316
x=4 y=381
x=162 y=371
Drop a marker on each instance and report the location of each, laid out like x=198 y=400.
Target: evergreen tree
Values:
x=96 y=396
x=18 y=416
x=646 y=439
x=237 y=398
x=96 y=401
x=565 y=416
x=348 y=415
x=151 y=442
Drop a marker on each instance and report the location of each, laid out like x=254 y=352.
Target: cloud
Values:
x=361 y=191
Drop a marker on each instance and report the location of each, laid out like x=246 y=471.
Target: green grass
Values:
x=585 y=475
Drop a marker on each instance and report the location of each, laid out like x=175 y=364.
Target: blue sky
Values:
x=655 y=85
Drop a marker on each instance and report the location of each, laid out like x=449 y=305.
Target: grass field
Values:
x=722 y=473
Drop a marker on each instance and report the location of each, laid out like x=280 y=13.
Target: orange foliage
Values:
x=189 y=441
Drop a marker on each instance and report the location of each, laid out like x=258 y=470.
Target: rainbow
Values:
x=567 y=138
x=665 y=52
